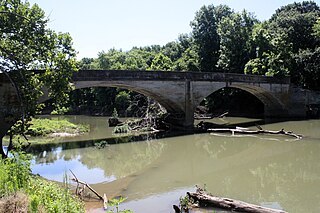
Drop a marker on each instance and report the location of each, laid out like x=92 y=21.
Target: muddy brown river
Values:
x=269 y=170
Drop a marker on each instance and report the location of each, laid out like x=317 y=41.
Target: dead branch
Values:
x=105 y=202
x=259 y=131
x=204 y=199
x=223 y=114
x=75 y=179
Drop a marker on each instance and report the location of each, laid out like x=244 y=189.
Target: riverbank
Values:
x=20 y=191
x=45 y=129
x=55 y=127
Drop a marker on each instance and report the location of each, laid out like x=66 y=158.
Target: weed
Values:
x=42 y=196
x=116 y=203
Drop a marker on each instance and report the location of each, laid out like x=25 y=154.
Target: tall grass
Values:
x=43 y=196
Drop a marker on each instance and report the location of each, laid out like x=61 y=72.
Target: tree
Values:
x=288 y=38
x=86 y=64
x=122 y=101
x=205 y=34
x=188 y=61
x=173 y=50
x=162 y=63
x=307 y=73
x=27 y=44
x=316 y=29
x=296 y=21
x=236 y=47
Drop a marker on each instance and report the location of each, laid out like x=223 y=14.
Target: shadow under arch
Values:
x=170 y=106
x=256 y=102
x=272 y=105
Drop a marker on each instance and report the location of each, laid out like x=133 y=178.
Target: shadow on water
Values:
x=41 y=147
x=38 y=148
x=118 y=139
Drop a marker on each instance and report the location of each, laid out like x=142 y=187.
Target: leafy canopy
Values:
x=27 y=44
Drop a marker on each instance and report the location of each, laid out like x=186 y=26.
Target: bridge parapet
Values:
x=98 y=75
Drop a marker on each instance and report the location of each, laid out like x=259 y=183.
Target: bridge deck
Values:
x=100 y=75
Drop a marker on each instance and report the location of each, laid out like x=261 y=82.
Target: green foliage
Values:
x=257 y=66
x=52 y=197
x=236 y=41
x=296 y=20
x=14 y=173
x=205 y=34
x=161 y=62
x=44 y=126
x=316 y=29
x=15 y=176
x=122 y=100
x=184 y=203
x=307 y=73
x=188 y=61
x=115 y=113
x=116 y=203
x=60 y=110
x=27 y=44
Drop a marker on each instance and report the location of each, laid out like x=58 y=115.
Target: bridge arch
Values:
x=272 y=105
x=171 y=106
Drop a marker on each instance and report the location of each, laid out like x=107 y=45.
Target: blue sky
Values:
x=98 y=25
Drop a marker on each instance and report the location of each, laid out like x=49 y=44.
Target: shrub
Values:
x=42 y=196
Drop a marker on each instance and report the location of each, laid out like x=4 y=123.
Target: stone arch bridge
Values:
x=181 y=92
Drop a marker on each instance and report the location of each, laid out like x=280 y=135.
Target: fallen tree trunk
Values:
x=205 y=200
x=75 y=179
x=259 y=131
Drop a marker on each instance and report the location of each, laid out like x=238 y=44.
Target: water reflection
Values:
x=110 y=163
x=273 y=171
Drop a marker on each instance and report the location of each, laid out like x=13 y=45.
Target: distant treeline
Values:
x=221 y=40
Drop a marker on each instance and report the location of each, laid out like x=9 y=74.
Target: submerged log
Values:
x=259 y=131
x=206 y=200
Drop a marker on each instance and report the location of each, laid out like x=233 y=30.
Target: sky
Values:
x=99 y=25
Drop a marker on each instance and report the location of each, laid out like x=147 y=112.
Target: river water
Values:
x=273 y=171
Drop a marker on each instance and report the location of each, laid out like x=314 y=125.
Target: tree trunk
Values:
x=205 y=199
x=2 y=153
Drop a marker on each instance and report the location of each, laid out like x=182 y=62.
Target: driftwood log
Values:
x=206 y=200
x=259 y=131
x=75 y=179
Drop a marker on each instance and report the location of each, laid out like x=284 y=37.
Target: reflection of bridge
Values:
x=181 y=92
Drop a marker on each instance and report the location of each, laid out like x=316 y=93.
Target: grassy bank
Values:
x=47 y=127
x=20 y=191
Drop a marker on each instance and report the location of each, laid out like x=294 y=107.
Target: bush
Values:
x=42 y=196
